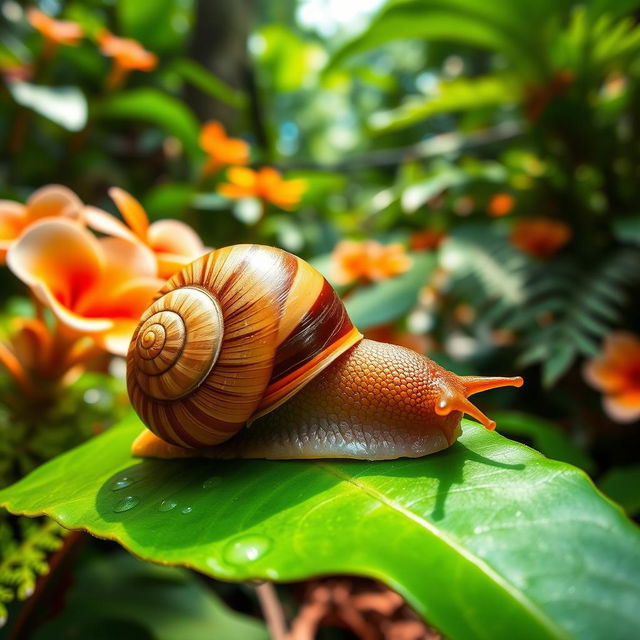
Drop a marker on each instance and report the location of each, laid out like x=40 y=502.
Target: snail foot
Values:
x=148 y=445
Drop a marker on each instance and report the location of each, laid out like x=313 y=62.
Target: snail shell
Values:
x=229 y=338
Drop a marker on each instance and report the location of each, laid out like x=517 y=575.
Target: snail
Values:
x=249 y=352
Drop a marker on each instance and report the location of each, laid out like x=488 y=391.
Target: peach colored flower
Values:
x=427 y=239
x=174 y=243
x=616 y=372
x=501 y=204
x=50 y=201
x=266 y=184
x=95 y=287
x=367 y=261
x=128 y=55
x=221 y=149
x=57 y=31
x=540 y=237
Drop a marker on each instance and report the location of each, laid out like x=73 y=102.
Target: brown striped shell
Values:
x=229 y=338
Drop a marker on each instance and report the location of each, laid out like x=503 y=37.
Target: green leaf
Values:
x=153 y=106
x=167 y=603
x=544 y=436
x=501 y=25
x=194 y=73
x=484 y=538
x=169 y=200
x=386 y=301
x=66 y=106
x=159 y=25
x=462 y=94
x=622 y=484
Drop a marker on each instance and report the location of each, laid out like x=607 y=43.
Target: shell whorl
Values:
x=178 y=342
x=229 y=338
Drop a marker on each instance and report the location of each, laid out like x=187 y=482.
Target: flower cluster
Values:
x=127 y=54
x=368 y=261
x=95 y=288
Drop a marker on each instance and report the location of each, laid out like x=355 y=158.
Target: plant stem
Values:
x=272 y=611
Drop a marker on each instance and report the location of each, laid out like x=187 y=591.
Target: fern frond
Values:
x=24 y=556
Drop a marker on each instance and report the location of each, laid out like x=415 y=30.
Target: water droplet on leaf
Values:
x=167 y=505
x=187 y=510
x=246 y=549
x=123 y=483
x=126 y=503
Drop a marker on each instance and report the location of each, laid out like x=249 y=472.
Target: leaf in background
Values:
x=66 y=106
x=134 y=597
x=461 y=94
x=160 y=25
x=382 y=302
x=501 y=25
x=622 y=484
x=483 y=538
x=385 y=301
x=194 y=73
x=543 y=436
x=169 y=200
x=288 y=60
x=160 y=109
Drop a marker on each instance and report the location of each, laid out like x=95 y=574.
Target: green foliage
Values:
x=622 y=484
x=119 y=596
x=195 y=74
x=161 y=109
x=515 y=540
x=25 y=546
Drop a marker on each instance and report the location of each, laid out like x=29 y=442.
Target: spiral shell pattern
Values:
x=230 y=337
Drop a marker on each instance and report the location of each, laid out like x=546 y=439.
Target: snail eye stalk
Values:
x=454 y=400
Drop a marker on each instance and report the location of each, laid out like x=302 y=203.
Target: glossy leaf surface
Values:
x=484 y=537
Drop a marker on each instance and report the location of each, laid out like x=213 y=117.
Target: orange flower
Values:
x=616 y=372
x=49 y=201
x=56 y=31
x=221 y=149
x=266 y=184
x=501 y=204
x=93 y=287
x=174 y=243
x=427 y=239
x=540 y=237
x=128 y=55
x=367 y=261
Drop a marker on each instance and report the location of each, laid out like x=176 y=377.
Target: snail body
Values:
x=248 y=352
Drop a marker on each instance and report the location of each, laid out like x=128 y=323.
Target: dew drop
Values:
x=123 y=483
x=211 y=482
x=478 y=530
x=126 y=503
x=187 y=510
x=3 y=621
x=246 y=549
x=167 y=505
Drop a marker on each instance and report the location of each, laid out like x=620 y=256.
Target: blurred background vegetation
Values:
x=495 y=146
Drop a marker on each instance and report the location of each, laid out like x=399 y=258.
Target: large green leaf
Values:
x=150 y=105
x=488 y=539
